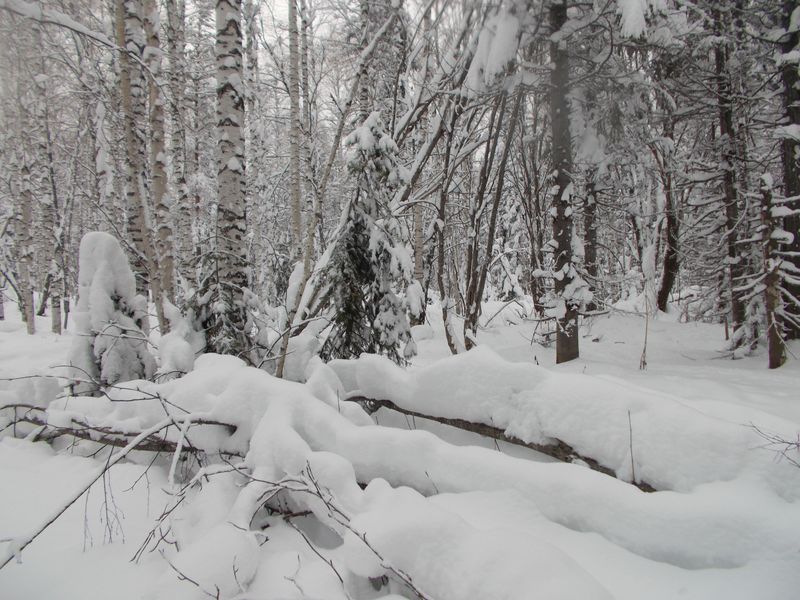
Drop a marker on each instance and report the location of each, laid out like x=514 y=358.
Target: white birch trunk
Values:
x=231 y=212
x=295 y=129
x=176 y=45
x=158 y=165
x=130 y=34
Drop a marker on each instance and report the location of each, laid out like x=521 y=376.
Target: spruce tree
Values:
x=366 y=262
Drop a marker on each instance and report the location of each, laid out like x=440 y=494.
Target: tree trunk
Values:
x=772 y=278
x=130 y=35
x=791 y=168
x=228 y=333
x=295 y=132
x=176 y=44
x=158 y=167
x=24 y=239
x=567 y=334
x=730 y=193
x=670 y=270
x=472 y=316
x=590 y=228
x=448 y=303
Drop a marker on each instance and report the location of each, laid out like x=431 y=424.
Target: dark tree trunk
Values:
x=728 y=160
x=472 y=310
x=772 y=280
x=590 y=227
x=448 y=304
x=475 y=306
x=791 y=169
x=670 y=271
x=567 y=336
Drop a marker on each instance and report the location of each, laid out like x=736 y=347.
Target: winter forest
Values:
x=422 y=299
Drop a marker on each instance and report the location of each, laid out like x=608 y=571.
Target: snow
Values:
x=633 y=21
x=496 y=48
x=453 y=519
x=111 y=345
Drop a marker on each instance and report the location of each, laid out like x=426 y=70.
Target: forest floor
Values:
x=726 y=527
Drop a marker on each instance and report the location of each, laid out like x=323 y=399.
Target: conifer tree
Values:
x=365 y=261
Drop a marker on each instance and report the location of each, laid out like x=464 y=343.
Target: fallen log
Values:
x=557 y=449
x=108 y=436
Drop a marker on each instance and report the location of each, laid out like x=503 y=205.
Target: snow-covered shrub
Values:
x=366 y=261
x=110 y=345
x=178 y=348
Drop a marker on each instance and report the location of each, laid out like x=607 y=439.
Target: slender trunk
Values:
x=364 y=106
x=472 y=310
x=670 y=270
x=730 y=192
x=590 y=228
x=567 y=334
x=309 y=110
x=176 y=44
x=472 y=317
x=772 y=278
x=448 y=302
x=130 y=34
x=55 y=233
x=295 y=128
x=24 y=235
x=158 y=167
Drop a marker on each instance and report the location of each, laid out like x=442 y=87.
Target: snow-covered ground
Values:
x=450 y=513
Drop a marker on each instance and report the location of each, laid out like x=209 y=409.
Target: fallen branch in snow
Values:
x=557 y=449
x=104 y=435
x=16 y=546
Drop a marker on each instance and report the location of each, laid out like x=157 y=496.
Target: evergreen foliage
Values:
x=366 y=260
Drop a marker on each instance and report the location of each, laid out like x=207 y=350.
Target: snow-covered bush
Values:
x=110 y=345
x=178 y=348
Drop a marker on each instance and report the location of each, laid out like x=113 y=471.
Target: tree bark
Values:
x=229 y=333
x=772 y=279
x=295 y=133
x=791 y=168
x=24 y=240
x=158 y=168
x=176 y=45
x=130 y=35
x=567 y=334
x=730 y=193
x=670 y=271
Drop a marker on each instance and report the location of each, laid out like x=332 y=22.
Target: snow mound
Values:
x=632 y=431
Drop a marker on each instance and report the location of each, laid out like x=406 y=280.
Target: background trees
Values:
x=583 y=155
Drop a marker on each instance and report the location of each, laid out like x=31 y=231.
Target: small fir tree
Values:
x=366 y=263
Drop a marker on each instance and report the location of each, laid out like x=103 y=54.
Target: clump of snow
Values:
x=178 y=348
x=496 y=48
x=633 y=13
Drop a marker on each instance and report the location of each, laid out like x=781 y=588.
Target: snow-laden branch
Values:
x=48 y=16
x=555 y=448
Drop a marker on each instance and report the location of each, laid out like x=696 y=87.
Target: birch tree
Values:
x=226 y=314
